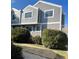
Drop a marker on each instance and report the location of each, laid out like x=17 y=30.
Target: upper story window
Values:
x=49 y=13
x=29 y=14
x=13 y=17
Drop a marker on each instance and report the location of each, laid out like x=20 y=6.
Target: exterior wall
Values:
x=57 y=11
x=53 y=26
x=35 y=33
x=17 y=15
x=38 y=18
x=31 y=20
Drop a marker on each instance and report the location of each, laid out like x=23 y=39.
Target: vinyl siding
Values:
x=31 y=20
x=53 y=26
x=44 y=7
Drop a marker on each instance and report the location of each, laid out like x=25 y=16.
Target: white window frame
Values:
x=49 y=16
x=29 y=12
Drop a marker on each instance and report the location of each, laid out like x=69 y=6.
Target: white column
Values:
x=40 y=27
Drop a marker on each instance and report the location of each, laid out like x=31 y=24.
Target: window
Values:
x=36 y=28
x=29 y=28
x=13 y=17
x=29 y=14
x=49 y=13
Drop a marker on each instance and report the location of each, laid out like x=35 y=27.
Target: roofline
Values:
x=14 y=9
x=48 y=3
x=30 y=6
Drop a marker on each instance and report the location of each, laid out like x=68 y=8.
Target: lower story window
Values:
x=29 y=28
x=38 y=28
x=33 y=28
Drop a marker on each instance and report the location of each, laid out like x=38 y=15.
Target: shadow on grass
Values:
x=16 y=52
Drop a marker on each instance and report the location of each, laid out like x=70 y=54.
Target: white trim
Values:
x=28 y=12
x=40 y=27
x=49 y=16
x=30 y=6
x=37 y=23
x=30 y=23
x=14 y=9
x=15 y=24
x=50 y=23
x=47 y=3
x=60 y=18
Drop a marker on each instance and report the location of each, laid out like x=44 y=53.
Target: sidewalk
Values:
x=38 y=52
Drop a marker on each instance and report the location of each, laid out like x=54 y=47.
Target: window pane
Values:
x=38 y=28
x=29 y=14
x=13 y=17
x=29 y=28
x=48 y=13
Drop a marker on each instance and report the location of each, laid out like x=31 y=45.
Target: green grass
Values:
x=62 y=53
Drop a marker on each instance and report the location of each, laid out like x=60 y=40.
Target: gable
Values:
x=47 y=3
x=15 y=12
x=29 y=7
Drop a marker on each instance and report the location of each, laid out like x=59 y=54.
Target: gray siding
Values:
x=33 y=19
x=53 y=26
x=44 y=7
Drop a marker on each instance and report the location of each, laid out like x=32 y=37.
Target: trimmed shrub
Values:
x=21 y=35
x=61 y=41
x=37 y=40
x=54 y=39
x=48 y=37
x=16 y=52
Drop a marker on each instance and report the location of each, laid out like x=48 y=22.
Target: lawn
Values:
x=59 y=52
x=63 y=53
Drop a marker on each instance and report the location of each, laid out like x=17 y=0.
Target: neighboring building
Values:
x=40 y=16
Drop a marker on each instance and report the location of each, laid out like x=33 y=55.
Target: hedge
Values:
x=61 y=41
x=54 y=39
x=21 y=35
x=37 y=40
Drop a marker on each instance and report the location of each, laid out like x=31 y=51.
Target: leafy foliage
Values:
x=21 y=35
x=54 y=39
x=37 y=40
x=61 y=41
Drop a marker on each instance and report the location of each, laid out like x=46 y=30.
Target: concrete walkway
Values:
x=33 y=52
x=27 y=55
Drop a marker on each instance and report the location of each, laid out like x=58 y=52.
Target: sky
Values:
x=20 y=4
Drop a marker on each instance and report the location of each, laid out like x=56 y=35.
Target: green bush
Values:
x=37 y=40
x=54 y=39
x=61 y=41
x=16 y=52
x=48 y=37
x=21 y=35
